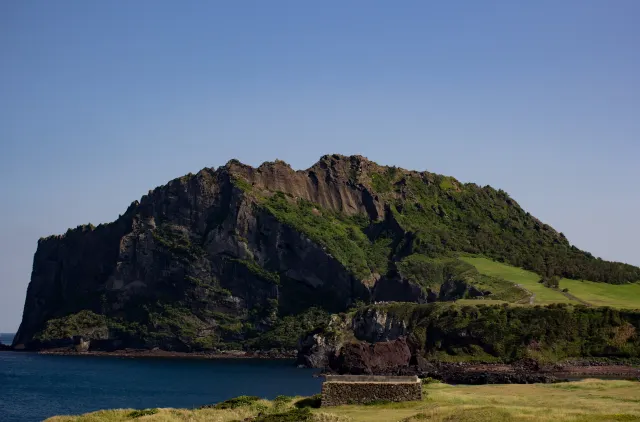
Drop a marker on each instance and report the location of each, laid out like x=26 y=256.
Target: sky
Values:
x=102 y=101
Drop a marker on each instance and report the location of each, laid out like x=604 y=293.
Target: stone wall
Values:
x=354 y=389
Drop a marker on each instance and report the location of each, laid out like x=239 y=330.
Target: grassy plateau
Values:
x=596 y=294
x=587 y=400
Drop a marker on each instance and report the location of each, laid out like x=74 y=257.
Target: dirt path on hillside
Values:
x=577 y=299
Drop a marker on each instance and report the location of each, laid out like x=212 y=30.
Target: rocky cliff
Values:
x=253 y=257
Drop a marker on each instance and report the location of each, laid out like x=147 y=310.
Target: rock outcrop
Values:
x=361 y=358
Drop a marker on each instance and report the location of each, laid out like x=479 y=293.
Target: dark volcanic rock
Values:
x=314 y=351
x=378 y=358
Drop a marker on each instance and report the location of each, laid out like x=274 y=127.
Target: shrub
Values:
x=84 y=323
x=288 y=330
x=551 y=282
x=283 y=399
x=141 y=413
x=314 y=401
x=233 y=403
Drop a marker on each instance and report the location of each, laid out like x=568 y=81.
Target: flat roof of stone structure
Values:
x=372 y=379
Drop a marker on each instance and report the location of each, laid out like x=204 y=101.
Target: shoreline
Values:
x=455 y=372
x=568 y=370
x=158 y=353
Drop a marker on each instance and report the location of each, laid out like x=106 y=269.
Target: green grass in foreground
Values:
x=596 y=294
x=587 y=400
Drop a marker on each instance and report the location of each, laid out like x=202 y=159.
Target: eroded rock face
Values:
x=375 y=325
x=378 y=358
x=314 y=351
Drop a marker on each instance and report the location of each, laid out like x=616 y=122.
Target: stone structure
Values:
x=360 y=389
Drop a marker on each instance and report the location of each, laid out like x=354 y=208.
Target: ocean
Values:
x=6 y=338
x=34 y=387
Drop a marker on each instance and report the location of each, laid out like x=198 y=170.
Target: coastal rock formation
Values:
x=243 y=257
x=366 y=359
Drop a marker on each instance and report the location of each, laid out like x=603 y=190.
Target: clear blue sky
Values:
x=101 y=101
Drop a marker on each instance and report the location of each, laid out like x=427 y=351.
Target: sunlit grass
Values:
x=601 y=294
x=526 y=279
x=596 y=294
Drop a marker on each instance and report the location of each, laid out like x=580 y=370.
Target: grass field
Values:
x=588 y=400
x=597 y=294
x=526 y=279
x=601 y=294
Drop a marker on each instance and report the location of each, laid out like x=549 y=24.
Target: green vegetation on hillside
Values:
x=289 y=329
x=341 y=235
x=84 y=323
x=440 y=215
x=445 y=215
x=176 y=242
x=259 y=271
x=508 y=333
x=431 y=273
x=585 y=401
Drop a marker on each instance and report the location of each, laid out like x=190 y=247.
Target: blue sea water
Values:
x=34 y=387
x=6 y=338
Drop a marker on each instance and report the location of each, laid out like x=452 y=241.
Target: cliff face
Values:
x=222 y=257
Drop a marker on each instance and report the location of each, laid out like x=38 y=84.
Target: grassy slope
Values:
x=597 y=294
x=526 y=279
x=600 y=294
x=588 y=400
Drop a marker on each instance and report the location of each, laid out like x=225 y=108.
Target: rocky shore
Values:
x=360 y=359
x=524 y=372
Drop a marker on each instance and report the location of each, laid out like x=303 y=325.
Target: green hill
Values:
x=243 y=257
